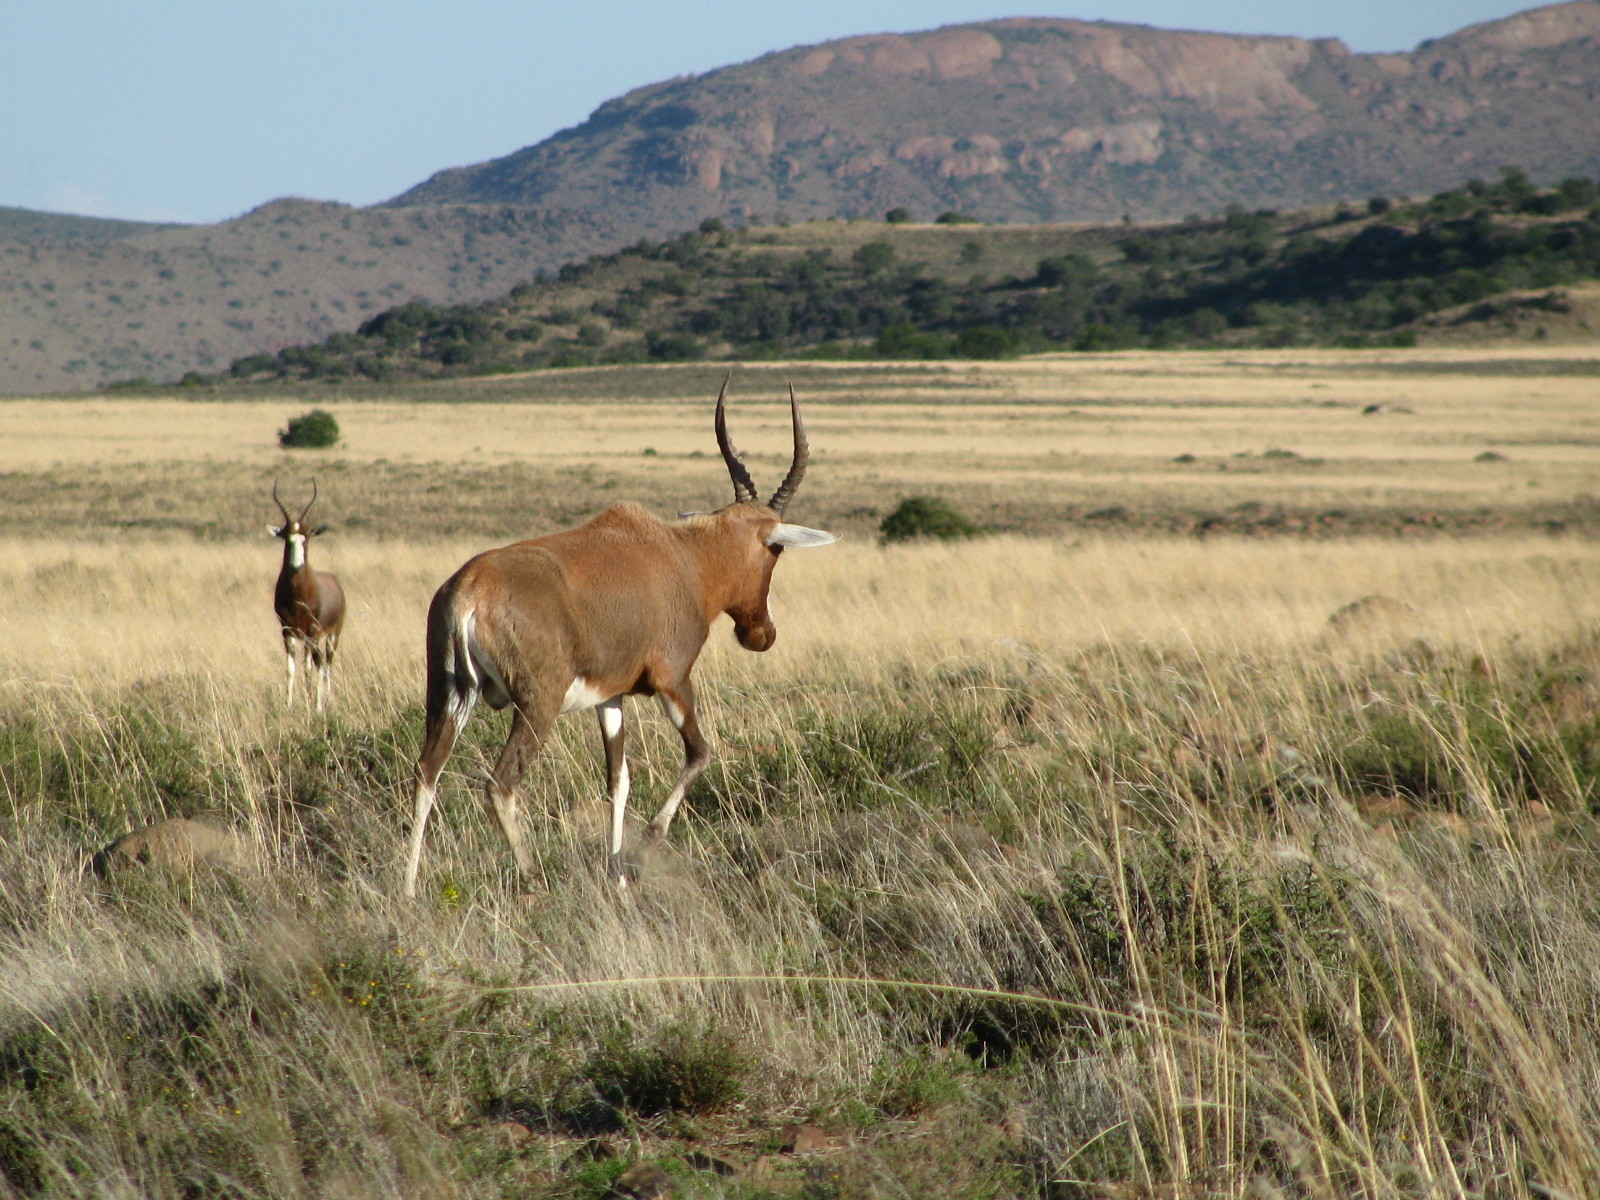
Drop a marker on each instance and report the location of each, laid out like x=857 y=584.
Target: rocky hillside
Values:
x=83 y=302
x=1059 y=120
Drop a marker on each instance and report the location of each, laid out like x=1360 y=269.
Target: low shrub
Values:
x=692 y=1068
x=315 y=430
x=926 y=517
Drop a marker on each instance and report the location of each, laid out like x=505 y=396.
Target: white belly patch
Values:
x=581 y=694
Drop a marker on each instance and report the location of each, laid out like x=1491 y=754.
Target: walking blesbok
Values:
x=309 y=604
x=620 y=606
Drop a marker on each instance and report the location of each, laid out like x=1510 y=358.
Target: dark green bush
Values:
x=315 y=430
x=983 y=341
x=926 y=517
x=899 y=216
x=955 y=218
x=673 y=347
x=873 y=256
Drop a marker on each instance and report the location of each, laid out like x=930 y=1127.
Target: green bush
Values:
x=899 y=216
x=983 y=341
x=926 y=517
x=873 y=256
x=315 y=430
x=955 y=218
x=693 y=1068
x=905 y=341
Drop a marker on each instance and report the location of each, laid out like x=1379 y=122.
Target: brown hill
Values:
x=1050 y=120
x=83 y=305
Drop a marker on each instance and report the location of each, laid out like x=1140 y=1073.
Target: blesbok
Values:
x=619 y=606
x=309 y=604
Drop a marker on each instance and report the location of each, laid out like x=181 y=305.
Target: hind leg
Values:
x=446 y=718
x=528 y=730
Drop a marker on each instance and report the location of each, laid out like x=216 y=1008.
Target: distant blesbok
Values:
x=309 y=604
x=620 y=606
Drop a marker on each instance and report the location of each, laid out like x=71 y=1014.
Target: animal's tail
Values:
x=460 y=670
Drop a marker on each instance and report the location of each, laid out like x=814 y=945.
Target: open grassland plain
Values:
x=1099 y=863
x=1318 y=442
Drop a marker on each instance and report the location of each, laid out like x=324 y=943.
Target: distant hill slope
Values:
x=42 y=228
x=1061 y=120
x=1485 y=261
x=82 y=304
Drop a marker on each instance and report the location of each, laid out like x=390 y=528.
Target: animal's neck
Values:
x=715 y=560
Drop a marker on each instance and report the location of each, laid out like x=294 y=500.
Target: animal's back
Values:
x=596 y=598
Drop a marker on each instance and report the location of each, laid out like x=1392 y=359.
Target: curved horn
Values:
x=279 y=503
x=309 y=502
x=744 y=488
x=797 y=469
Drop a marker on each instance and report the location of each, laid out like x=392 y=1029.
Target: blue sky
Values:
x=198 y=110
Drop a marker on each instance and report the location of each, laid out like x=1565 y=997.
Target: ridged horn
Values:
x=797 y=468
x=279 y=503
x=744 y=488
x=309 y=502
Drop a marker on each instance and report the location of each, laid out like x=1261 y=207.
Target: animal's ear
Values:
x=275 y=530
x=318 y=531
x=799 y=535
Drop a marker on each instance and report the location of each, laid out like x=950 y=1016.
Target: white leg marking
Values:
x=669 y=807
x=581 y=694
x=668 y=706
x=419 y=822
x=322 y=680
x=288 y=660
x=619 y=807
x=611 y=727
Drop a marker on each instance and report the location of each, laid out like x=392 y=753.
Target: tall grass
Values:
x=1216 y=901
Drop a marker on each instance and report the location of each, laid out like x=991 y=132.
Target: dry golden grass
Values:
x=1125 y=776
x=1172 y=443
x=85 y=614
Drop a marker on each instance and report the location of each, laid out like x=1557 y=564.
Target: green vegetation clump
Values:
x=898 y=216
x=314 y=430
x=1357 y=277
x=926 y=517
x=689 y=1068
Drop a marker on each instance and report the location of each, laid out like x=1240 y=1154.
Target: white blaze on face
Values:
x=581 y=694
x=297 y=550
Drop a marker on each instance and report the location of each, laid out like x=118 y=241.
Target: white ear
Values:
x=275 y=530
x=799 y=535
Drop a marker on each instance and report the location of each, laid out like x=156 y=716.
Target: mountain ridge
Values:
x=1046 y=119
